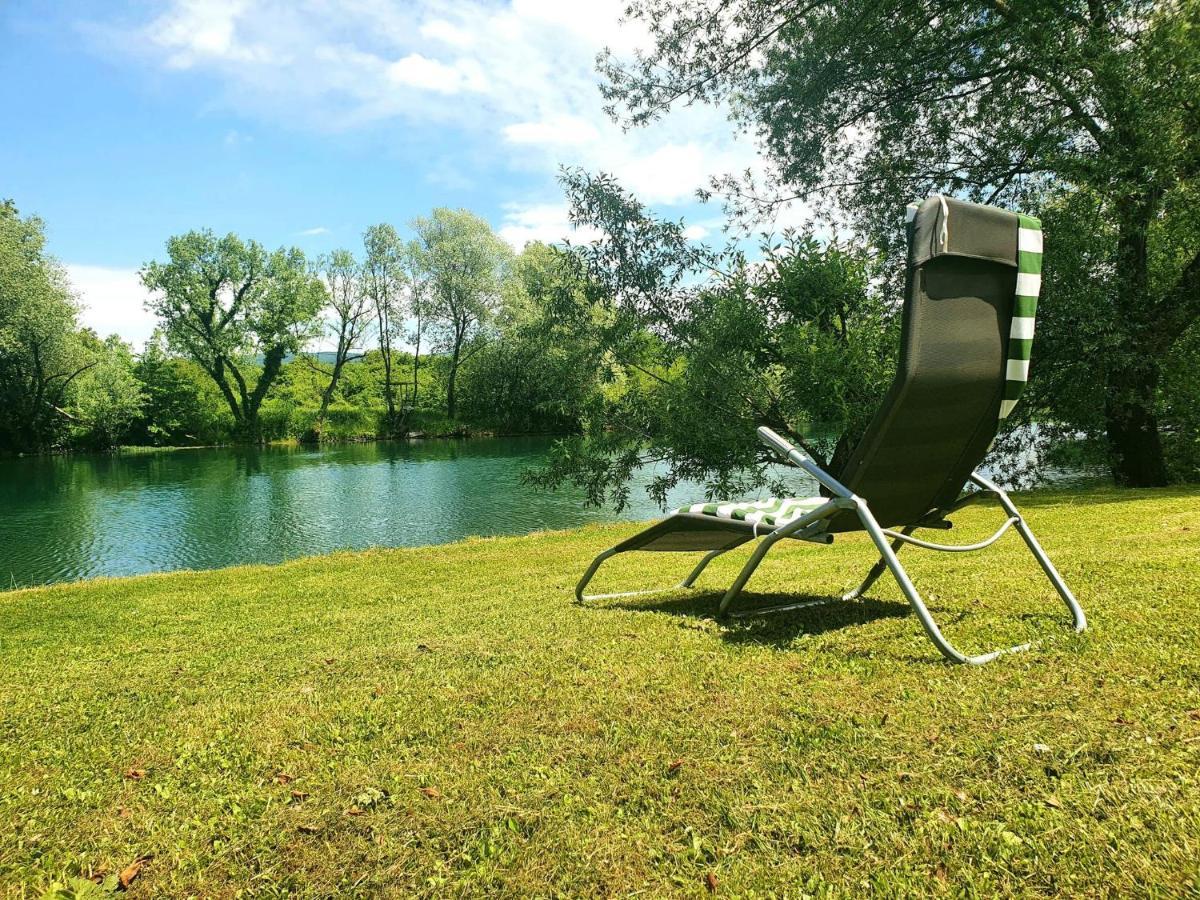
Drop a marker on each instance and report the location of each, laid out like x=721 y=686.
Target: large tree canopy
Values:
x=464 y=266
x=41 y=354
x=862 y=106
x=225 y=303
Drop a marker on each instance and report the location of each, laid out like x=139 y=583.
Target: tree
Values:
x=223 y=302
x=182 y=404
x=108 y=398
x=700 y=347
x=536 y=374
x=351 y=311
x=1008 y=102
x=417 y=286
x=465 y=264
x=41 y=354
x=383 y=283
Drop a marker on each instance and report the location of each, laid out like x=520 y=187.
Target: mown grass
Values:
x=446 y=721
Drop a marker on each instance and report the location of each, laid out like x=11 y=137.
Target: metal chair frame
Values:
x=811 y=526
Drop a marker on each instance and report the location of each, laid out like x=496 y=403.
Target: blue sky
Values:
x=303 y=122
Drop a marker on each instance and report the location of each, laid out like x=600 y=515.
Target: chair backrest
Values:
x=971 y=293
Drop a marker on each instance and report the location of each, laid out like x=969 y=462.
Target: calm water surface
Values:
x=75 y=517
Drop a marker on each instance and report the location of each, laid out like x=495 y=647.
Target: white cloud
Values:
x=522 y=78
x=695 y=232
x=441 y=30
x=113 y=302
x=563 y=130
x=313 y=232
x=419 y=71
x=200 y=30
x=670 y=174
x=545 y=222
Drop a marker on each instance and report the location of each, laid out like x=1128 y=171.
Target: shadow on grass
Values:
x=779 y=628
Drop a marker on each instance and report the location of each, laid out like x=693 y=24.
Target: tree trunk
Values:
x=217 y=373
x=389 y=395
x=327 y=394
x=451 y=402
x=1134 y=447
x=252 y=425
x=416 y=362
x=385 y=352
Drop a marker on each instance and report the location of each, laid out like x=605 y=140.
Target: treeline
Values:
x=444 y=330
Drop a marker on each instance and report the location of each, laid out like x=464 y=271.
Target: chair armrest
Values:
x=780 y=445
x=799 y=458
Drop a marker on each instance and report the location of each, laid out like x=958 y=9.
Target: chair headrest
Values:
x=944 y=226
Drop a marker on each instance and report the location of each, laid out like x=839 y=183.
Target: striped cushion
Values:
x=1020 y=336
x=769 y=513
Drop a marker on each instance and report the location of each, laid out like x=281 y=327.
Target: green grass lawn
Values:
x=446 y=721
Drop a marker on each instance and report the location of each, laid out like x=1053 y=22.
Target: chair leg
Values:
x=876 y=570
x=947 y=649
x=580 y=596
x=1079 y=620
x=743 y=576
x=747 y=570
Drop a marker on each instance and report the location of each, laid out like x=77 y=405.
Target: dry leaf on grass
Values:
x=133 y=870
x=135 y=774
x=283 y=778
x=710 y=882
x=675 y=766
x=432 y=793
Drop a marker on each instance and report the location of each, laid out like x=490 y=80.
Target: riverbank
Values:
x=445 y=720
x=427 y=426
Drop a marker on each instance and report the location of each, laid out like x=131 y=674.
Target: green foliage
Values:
x=221 y=301
x=464 y=266
x=350 y=314
x=534 y=375
x=41 y=351
x=108 y=398
x=183 y=405
x=383 y=274
x=701 y=347
x=1180 y=406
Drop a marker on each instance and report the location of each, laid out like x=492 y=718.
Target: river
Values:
x=80 y=516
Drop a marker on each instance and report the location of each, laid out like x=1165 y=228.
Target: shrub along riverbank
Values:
x=446 y=720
